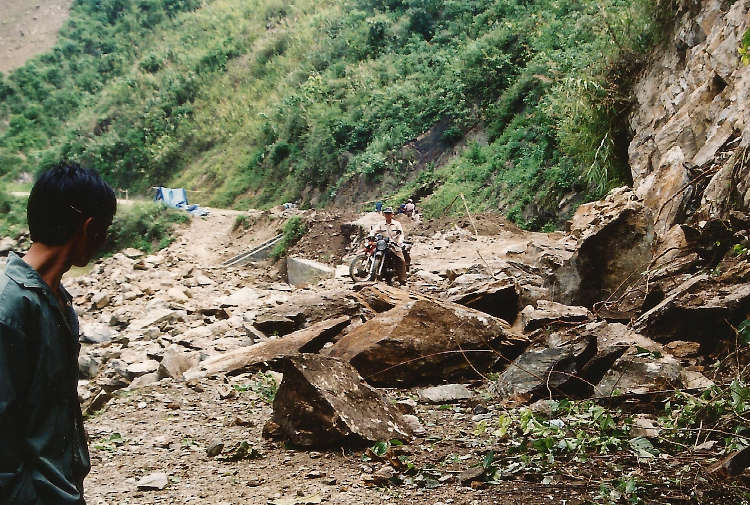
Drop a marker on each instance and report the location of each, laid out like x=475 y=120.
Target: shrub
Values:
x=12 y=215
x=294 y=229
x=146 y=226
x=151 y=63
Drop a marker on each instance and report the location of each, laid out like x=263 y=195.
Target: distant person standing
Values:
x=409 y=208
x=379 y=206
x=43 y=452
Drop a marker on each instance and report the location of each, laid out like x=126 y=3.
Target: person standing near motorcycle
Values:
x=393 y=230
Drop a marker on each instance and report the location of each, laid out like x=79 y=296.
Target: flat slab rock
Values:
x=302 y=310
x=382 y=298
x=640 y=372
x=446 y=393
x=547 y=312
x=427 y=341
x=323 y=402
x=259 y=355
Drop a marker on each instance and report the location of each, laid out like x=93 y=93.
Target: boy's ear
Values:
x=86 y=226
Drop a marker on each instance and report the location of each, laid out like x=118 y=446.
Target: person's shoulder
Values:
x=14 y=302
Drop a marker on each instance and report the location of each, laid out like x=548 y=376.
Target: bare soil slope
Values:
x=29 y=28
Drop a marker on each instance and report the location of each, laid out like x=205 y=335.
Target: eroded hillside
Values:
x=28 y=29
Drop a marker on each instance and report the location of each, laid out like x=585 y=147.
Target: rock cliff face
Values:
x=689 y=155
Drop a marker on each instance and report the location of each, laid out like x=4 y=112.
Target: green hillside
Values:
x=264 y=101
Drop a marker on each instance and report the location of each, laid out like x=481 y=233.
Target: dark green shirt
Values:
x=43 y=453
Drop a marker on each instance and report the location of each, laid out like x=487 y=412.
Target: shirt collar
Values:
x=22 y=273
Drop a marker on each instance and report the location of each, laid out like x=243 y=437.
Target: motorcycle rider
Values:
x=393 y=230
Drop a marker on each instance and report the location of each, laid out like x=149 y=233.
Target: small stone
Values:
x=242 y=421
x=214 y=449
x=480 y=409
x=314 y=455
x=132 y=253
x=384 y=474
x=644 y=426
x=683 y=349
x=475 y=473
x=100 y=300
x=314 y=474
x=154 y=481
x=142 y=368
x=446 y=393
x=414 y=424
x=97 y=403
x=408 y=406
x=695 y=380
x=162 y=441
x=227 y=393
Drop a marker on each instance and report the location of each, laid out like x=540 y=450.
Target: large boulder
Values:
x=322 y=402
x=547 y=370
x=302 y=272
x=262 y=355
x=309 y=308
x=614 y=242
x=427 y=341
x=594 y=358
x=700 y=309
x=498 y=298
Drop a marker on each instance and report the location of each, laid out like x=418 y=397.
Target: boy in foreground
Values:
x=43 y=452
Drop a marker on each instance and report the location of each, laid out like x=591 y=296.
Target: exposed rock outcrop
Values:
x=691 y=122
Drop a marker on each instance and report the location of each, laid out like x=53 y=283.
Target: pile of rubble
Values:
x=545 y=312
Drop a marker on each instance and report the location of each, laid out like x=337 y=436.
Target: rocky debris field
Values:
x=515 y=367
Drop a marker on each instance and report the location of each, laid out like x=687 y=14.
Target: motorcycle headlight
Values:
x=382 y=246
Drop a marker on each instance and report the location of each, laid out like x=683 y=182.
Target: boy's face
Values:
x=90 y=240
x=388 y=216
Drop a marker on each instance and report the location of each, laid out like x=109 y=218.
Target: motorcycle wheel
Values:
x=359 y=268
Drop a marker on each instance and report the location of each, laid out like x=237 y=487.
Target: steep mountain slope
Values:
x=28 y=29
x=340 y=100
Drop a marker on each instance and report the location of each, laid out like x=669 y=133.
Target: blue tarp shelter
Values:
x=177 y=198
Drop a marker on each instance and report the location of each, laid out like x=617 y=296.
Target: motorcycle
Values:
x=375 y=262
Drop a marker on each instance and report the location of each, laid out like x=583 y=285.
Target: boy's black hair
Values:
x=62 y=198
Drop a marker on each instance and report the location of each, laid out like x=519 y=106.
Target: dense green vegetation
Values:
x=268 y=101
x=145 y=226
x=13 y=212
